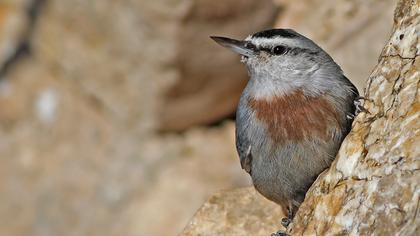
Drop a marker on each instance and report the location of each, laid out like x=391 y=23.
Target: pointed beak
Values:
x=241 y=47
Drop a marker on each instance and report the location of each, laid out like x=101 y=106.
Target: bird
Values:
x=293 y=114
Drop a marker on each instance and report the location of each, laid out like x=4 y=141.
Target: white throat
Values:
x=267 y=89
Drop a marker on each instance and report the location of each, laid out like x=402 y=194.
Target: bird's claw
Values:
x=280 y=233
x=359 y=108
x=286 y=221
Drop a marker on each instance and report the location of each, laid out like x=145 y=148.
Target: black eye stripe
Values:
x=266 y=50
x=271 y=50
x=281 y=50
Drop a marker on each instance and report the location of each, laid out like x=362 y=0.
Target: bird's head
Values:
x=285 y=58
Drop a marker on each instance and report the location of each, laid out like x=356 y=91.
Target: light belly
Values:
x=285 y=172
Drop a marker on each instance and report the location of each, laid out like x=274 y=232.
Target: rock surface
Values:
x=373 y=187
x=14 y=27
x=237 y=212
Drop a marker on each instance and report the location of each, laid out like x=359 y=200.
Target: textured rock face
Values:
x=373 y=186
x=237 y=212
x=154 y=50
x=14 y=24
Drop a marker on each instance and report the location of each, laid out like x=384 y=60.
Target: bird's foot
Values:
x=359 y=106
x=280 y=233
x=286 y=221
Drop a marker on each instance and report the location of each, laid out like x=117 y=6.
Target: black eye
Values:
x=279 y=50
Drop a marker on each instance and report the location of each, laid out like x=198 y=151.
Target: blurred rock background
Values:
x=115 y=115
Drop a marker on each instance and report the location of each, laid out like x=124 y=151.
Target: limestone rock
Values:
x=373 y=186
x=113 y=53
x=237 y=212
x=352 y=32
x=140 y=49
x=14 y=26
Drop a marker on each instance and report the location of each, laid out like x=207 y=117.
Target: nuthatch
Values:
x=293 y=114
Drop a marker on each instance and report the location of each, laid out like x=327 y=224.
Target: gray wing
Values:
x=243 y=146
x=244 y=151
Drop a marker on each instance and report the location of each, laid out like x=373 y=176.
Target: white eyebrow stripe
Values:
x=270 y=42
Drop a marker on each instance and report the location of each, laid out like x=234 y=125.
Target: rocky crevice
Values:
x=22 y=48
